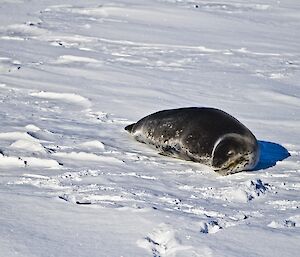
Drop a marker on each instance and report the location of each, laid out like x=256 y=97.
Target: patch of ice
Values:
x=64 y=97
x=14 y=136
x=28 y=146
x=92 y=145
x=296 y=220
x=64 y=59
x=247 y=192
x=16 y=38
x=240 y=193
x=7 y=162
x=83 y=156
x=41 y=163
x=282 y=224
x=44 y=135
x=12 y=161
x=162 y=241
x=285 y=204
x=32 y=128
x=24 y=31
x=210 y=227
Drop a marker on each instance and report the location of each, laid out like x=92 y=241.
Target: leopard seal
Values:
x=206 y=135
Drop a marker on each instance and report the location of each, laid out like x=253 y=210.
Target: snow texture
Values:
x=73 y=182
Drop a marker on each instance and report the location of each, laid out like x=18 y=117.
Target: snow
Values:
x=73 y=182
x=68 y=98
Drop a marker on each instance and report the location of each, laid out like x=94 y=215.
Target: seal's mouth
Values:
x=233 y=166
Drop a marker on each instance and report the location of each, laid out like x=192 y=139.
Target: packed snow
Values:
x=74 y=73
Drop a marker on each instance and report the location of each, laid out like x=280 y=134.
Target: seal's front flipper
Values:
x=169 y=151
x=165 y=154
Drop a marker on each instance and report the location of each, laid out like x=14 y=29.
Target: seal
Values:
x=206 y=135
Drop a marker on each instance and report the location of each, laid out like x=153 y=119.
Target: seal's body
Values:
x=205 y=135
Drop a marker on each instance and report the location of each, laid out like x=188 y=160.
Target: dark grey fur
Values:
x=206 y=135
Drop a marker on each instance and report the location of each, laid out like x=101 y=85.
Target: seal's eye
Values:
x=230 y=153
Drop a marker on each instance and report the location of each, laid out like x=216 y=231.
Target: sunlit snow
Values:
x=74 y=73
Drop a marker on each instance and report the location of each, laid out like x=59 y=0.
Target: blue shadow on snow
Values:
x=270 y=153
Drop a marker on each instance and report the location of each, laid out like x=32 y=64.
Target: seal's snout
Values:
x=233 y=153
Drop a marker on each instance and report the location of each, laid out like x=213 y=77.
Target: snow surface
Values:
x=74 y=73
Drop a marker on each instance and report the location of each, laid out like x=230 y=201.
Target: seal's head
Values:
x=234 y=152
